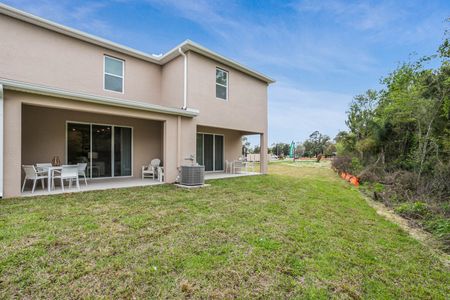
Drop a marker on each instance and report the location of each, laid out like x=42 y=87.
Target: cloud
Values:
x=277 y=42
x=397 y=21
x=296 y=112
x=362 y=15
x=80 y=15
x=208 y=14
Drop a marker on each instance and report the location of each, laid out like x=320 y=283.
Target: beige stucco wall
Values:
x=176 y=133
x=232 y=141
x=44 y=134
x=33 y=54
x=172 y=83
x=246 y=107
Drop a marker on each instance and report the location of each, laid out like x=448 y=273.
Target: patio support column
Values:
x=12 y=142
x=170 y=150
x=263 y=153
x=1 y=140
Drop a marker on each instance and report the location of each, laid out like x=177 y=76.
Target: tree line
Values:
x=316 y=144
x=398 y=140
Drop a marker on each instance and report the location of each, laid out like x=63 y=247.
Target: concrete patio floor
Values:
x=116 y=183
x=222 y=175
x=93 y=185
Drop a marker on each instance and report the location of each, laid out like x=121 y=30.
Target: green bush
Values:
x=440 y=226
x=415 y=210
x=378 y=187
x=357 y=167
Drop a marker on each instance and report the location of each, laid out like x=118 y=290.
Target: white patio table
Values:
x=50 y=175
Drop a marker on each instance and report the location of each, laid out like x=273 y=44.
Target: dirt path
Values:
x=422 y=236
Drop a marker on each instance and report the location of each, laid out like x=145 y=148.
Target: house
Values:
x=82 y=98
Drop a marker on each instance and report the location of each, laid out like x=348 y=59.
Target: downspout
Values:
x=185 y=79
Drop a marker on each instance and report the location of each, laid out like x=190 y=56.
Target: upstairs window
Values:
x=113 y=74
x=221 y=84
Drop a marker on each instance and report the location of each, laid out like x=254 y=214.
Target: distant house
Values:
x=82 y=98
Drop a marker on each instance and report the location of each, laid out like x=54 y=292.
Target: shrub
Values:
x=319 y=157
x=342 y=163
x=356 y=166
x=402 y=184
x=415 y=210
x=368 y=175
x=441 y=228
x=378 y=187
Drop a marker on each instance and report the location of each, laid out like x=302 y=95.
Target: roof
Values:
x=185 y=46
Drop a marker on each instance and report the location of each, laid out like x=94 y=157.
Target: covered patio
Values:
x=113 y=148
x=221 y=151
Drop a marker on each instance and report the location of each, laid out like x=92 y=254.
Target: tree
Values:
x=404 y=126
x=361 y=121
x=316 y=143
x=299 y=150
x=330 y=149
x=280 y=149
x=245 y=145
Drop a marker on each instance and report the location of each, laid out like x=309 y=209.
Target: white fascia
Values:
x=56 y=92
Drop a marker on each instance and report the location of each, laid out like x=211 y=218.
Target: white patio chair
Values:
x=32 y=174
x=43 y=167
x=228 y=166
x=68 y=172
x=82 y=171
x=237 y=167
x=249 y=165
x=152 y=169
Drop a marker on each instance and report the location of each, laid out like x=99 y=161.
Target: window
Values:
x=221 y=84
x=113 y=74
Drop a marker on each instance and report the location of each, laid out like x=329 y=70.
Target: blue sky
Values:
x=321 y=53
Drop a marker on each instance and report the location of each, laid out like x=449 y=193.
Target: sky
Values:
x=321 y=53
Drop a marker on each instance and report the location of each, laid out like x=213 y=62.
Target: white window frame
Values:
x=225 y=86
x=114 y=75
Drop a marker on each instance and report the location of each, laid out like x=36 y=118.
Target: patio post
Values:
x=263 y=153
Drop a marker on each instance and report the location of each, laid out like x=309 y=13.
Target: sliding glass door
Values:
x=101 y=151
x=107 y=149
x=78 y=142
x=122 y=151
x=210 y=151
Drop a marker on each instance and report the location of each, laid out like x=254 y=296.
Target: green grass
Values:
x=300 y=232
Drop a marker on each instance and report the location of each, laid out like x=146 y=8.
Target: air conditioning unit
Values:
x=192 y=175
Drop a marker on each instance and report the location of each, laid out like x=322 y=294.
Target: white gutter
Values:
x=185 y=79
x=55 y=92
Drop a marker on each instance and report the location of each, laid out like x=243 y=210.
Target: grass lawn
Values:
x=300 y=232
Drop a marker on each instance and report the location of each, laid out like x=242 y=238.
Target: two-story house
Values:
x=82 y=98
